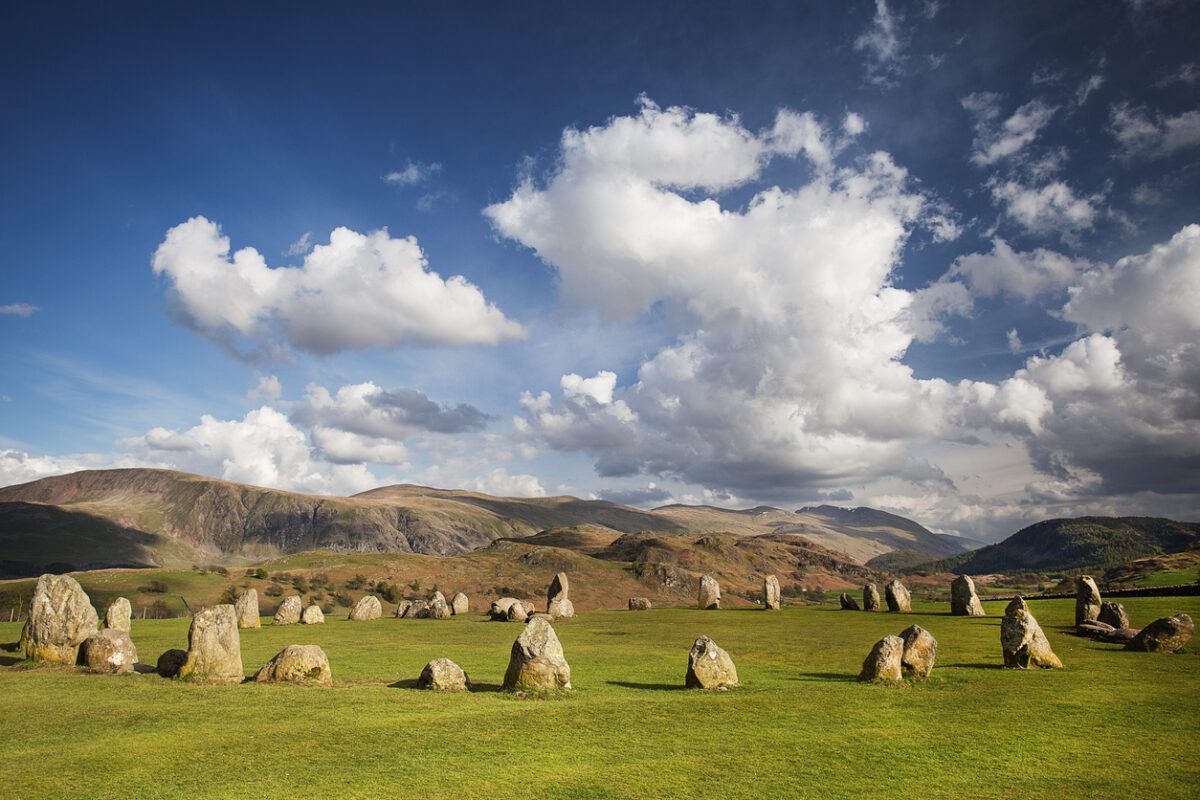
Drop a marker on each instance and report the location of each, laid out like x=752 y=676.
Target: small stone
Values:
x=1113 y=614
x=1166 y=635
x=118 y=615
x=403 y=608
x=214 y=647
x=110 y=651
x=460 y=604
x=898 y=599
x=313 y=615
x=247 y=609
x=709 y=595
x=870 y=597
x=920 y=652
x=1087 y=599
x=289 y=611
x=443 y=675
x=537 y=662
x=848 y=603
x=517 y=612
x=771 y=593
x=883 y=663
x=297 y=663
x=710 y=667
x=1022 y=641
x=369 y=608
x=639 y=604
x=499 y=608
x=964 y=602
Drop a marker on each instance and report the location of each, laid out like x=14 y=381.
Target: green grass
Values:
x=1167 y=578
x=1111 y=725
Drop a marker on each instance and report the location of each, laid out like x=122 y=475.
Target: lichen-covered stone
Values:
x=848 y=603
x=289 y=611
x=639 y=604
x=1087 y=599
x=1022 y=641
x=438 y=607
x=710 y=667
x=313 y=615
x=1113 y=614
x=460 y=604
x=170 y=662
x=369 y=608
x=771 y=593
x=870 y=597
x=61 y=618
x=247 y=609
x=297 y=663
x=884 y=661
x=1166 y=635
x=214 y=647
x=898 y=599
x=443 y=675
x=964 y=602
x=709 y=595
x=537 y=662
x=920 y=652
x=403 y=608
x=110 y=651
x=518 y=612
x=558 y=600
x=118 y=615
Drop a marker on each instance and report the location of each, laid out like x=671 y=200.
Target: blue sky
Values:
x=867 y=253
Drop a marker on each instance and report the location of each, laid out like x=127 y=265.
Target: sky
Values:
x=937 y=258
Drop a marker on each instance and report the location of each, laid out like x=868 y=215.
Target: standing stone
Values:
x=1113 y=614
x=443 y=675
x=297 y=663
x=1166 y=635
x=438 y=607
x=920 y=651
x=459 y=604
x=313 y=615
x=537 y=663
x=870 y=598
x=289 y=612
x=709 y=595
x=368 y=608
x=848 y=602
x=883 y=663
x=771 y=593
x=639 y=604
x=214 y=648
x=247 y=609
x=402 y=609
x=170 y=662
x=963 y=600
x=898 y=599
x=61 y=618
x=1022 y=640
x=110 y=651
x=118 y=615
x=558 y=601
x=1087 y=599
x=710 y=667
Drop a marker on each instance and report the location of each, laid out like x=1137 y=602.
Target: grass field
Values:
x=1111 y=725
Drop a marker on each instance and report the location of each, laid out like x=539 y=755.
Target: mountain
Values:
x=1080 y=543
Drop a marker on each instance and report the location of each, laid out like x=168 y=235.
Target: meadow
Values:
x=1111 y=725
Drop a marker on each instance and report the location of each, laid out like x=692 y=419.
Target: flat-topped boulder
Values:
x=771 y=593
x=870 y=597
x=460 y=604
x=438 y=607
x=848 y=603
x=1166 y=635
x=883 y=663
x=289 y=611
x=297 y=663
x=369 y=608
x=710 y=667
x=558 y=600
x=964 y=602
x=1022 y=641
x=920 y=652
x=639 y=604
x=898 y=599
x=1113 y=614
x=443 y=675
x=1087 y=599
x=214 y=653
x=247 y=609
x=536 y=662
x=709 y=594
x=61 y=618
x=110 y=651
x=313 y=615
x=119 y=615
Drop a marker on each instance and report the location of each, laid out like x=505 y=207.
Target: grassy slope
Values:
x=1112 y=725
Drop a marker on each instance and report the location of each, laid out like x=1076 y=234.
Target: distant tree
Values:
x=154 y=587
x=260 y=573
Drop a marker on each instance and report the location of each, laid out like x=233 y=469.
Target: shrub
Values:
x=154 y=587
x=260 y=573
x=344 y=599
x=357 y=582
x=274 y=590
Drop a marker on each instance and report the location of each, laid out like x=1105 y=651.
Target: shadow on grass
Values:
x=974 y=666
x=656 y=687
x=413 y=683
x=8 y=661
x=836 y=677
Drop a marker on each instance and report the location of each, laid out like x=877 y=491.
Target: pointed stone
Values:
x=710 y=667
x=537 y=662
x=964 y=602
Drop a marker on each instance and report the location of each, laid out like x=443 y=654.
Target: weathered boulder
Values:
x=247 y=609
x=710 y=667
x=170 y=662
x=438 y=607
x=460 y=604
x=1087 y=599
x=538 y=615
x=870 y=597
x=898 y=599
x=709 y=595
x=639 y=604
x=964 y=602
x=1120 y=636
x=297 y=663
x=417 y=609
x=61 y=618
x=1022 y=641
x=558 y=600
x=443 y=675
x=1113 y=614
x=771 y=593
x=920 y=651
x=289 y=611
x=499 y=608
x=1166 y=635
x=518 y=612
x=118 y=615
x=884 y=661
x=109 y=651
x=368 y=608
x=537 y=662
x=214 y=652
x=1094 y=628
x=313 y=615
x=848 y=602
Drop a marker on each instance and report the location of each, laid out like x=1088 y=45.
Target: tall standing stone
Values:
x=1114 y=614
x=537 y=662
x=848 y=603
x=883 y=663
x=247 y=609
x=438 y=607
x=1022 y=641
x=118 y=615
x=289 y=612
x=920 y=652
x=1087 y=599
x=870 y=597
x=460 y=604
x=709 y=595
x=898 y=598
x=771 y=593
x=558 y=600
x=61 y=618
x=214 y=652
x=710 y=667
x=964 y=602
x=368 y=608
x=1166 y=635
